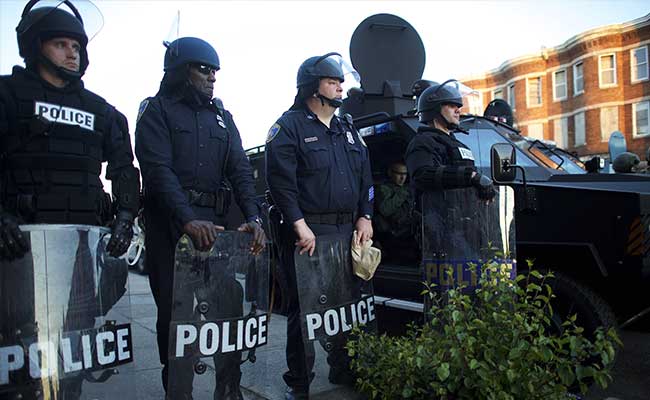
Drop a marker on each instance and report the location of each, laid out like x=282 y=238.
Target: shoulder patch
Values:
x=141 y=110
x=273 y=132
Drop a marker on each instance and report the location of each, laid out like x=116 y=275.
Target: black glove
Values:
x=13 y=243
x=484 y=187
x=121 y=233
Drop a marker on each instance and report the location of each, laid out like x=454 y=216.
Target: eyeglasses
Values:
x=204 y=69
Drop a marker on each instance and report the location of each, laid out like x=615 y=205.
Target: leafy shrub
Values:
x=491 y=344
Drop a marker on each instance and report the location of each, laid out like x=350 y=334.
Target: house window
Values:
x=559 y=85
x=640 y=118
x=607 y=70
x=578 y=79
x=536 y=131
x=579 y=121
x=497 y=94
x=511 y=96
x=560 y=132
x=639 y=63
x=534 y=88
x=608 y=122
x=475 y=104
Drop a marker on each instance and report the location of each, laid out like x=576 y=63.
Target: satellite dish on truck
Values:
x=386 y=48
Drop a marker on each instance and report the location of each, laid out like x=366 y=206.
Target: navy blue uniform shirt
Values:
x=184 y=145
x=313 y=169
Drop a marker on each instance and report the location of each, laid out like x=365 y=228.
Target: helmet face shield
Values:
x=84 y=11
x=448 y=92
x=332 y=65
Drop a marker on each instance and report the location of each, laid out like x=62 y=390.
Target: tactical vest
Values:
x=52 y=154
x=453 y=154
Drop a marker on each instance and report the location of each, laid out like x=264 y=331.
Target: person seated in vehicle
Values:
x=394 y=219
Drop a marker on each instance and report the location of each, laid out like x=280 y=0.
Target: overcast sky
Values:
x=262 y=43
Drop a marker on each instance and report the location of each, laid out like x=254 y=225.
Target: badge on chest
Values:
x=466 y=154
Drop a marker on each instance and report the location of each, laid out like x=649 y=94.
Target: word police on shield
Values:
x=94 y=349
x=220 y=337
x=340 y=319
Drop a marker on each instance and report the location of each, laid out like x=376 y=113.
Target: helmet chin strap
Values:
x=336 y=103
x=63 y=73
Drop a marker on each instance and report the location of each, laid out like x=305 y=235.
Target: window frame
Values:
x=600 y=71
x=566 y=85
x=633 y=79
x=541 y=129
x=500 y=90
x=563 y=122
x=634 y=126
x=511 y=89
x=541 y=93
x=577 y=92
x=604 y=136
x=584 y=129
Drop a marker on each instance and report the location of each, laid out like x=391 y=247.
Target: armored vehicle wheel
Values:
x=573 y=297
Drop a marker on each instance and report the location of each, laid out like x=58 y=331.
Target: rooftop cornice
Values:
x=585 y=36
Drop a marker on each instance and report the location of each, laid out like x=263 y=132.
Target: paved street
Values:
x=632 y=381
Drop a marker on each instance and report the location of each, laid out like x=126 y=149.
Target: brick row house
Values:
x=579 y=92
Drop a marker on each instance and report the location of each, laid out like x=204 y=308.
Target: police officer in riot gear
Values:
x=318 y=173
x=55 y=134
x=436 y=160
x=188 y=145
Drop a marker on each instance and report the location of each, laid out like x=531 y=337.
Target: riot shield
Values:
x=332 y=299
x=461 y=234
x=65 y=315
x=220 y=317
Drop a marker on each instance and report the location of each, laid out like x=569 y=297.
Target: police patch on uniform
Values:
x=466 y=154
x=273 y=132
x=350 y=138
x=141 y=110
x=311 y=139
x=65 y=115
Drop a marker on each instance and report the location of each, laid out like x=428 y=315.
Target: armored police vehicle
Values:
x=592 y=230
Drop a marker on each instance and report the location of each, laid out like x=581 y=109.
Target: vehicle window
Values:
x=480 y=141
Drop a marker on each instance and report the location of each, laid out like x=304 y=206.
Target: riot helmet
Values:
x=626 y=162
x=500 y=111
x=313 y=69
x=42 y=21
x=190 y=50
x=434 y=97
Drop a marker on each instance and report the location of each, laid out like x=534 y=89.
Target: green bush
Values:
x=492 y=344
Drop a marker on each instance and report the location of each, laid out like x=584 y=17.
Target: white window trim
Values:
x=512 y=105
x=575 y=91
x=499 y=89
x=600 y=75
x=634 y=134
x=566 y=85
x=575 y=128
x=647 y=65
x=541 y=85
x=605 y=137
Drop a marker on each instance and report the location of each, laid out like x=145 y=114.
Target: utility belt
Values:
x=330 y=218
x=31 y=206
x=219 y=200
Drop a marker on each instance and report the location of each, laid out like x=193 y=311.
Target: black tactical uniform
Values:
x=438 y=163
x=53 y=141
x=187 y=147
x=321 y=174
